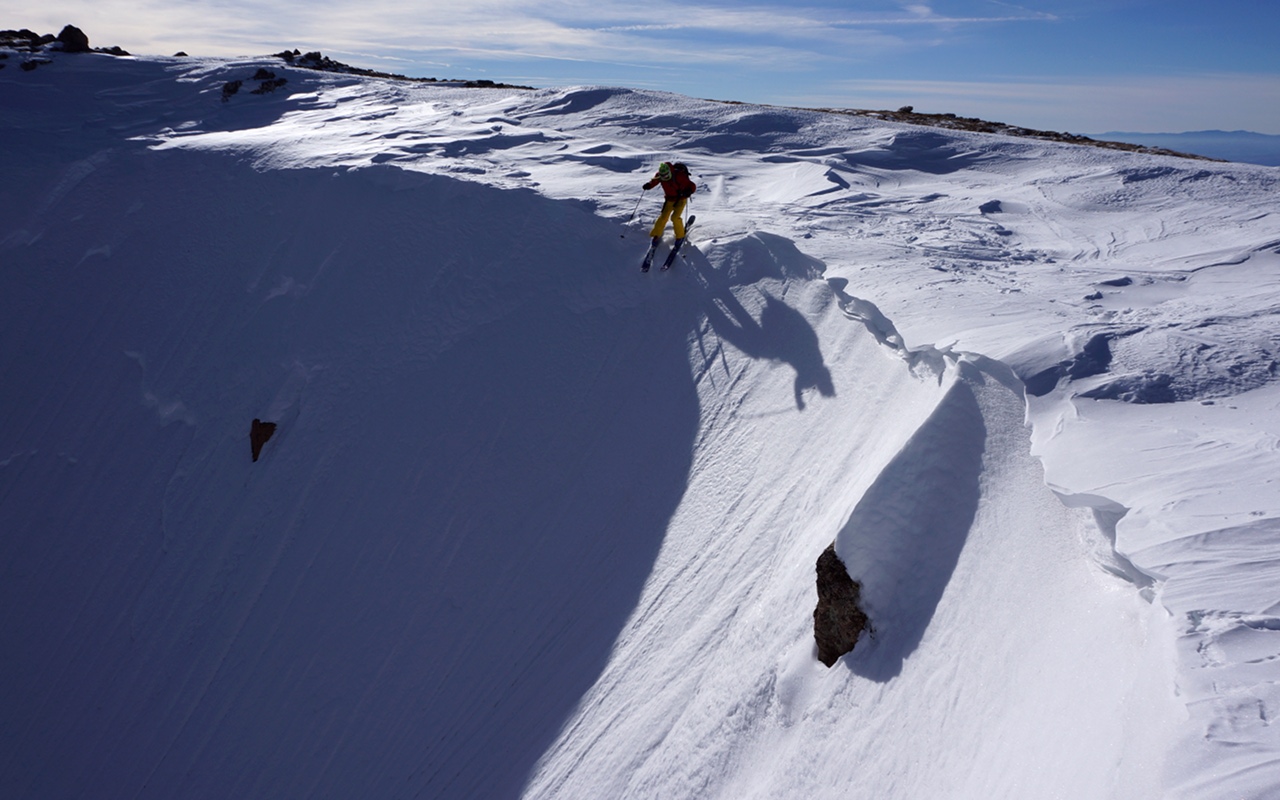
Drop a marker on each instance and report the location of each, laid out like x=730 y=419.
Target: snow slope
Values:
x=535 y=524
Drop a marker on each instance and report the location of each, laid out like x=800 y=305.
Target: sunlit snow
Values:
x=536 y=524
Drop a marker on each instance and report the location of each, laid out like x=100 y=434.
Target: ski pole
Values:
x=634 y=210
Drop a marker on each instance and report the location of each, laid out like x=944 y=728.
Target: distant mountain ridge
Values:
x=1245 y=146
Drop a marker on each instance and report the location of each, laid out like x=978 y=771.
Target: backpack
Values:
x=679 y=168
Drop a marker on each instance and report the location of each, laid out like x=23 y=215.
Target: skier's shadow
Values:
x=781 y=333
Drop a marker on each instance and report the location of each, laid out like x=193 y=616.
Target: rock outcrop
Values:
x=838 y=620
x=70 y=40
x=73 y=40
x=259 y=433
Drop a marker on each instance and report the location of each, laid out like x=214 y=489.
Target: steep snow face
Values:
x=535 y=523
x=473 y=472
x=999 y=643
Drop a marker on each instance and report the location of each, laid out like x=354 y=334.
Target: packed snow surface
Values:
x=536 y=524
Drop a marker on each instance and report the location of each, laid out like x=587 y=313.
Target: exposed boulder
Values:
x=73 y=40
x=838 y=620
x=259 y=433
x=270 y=85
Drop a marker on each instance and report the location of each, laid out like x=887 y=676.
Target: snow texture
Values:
x=535 y=524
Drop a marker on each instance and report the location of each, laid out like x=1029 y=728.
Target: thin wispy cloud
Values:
x=762 y=51
x=939 y=21
x=927 y=17
x=795 y=22
x=519 y=27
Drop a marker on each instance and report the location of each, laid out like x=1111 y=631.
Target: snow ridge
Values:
x=904 y=537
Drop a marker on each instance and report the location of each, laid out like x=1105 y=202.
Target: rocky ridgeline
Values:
x=74 y=40
x=909 y=115
x=318 y=61
x=70 y=40
x=268 y=81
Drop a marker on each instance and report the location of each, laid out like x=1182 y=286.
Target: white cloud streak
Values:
x=742 y=52
x=575 y=30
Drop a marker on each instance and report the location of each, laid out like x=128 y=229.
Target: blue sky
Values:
x=1084 y=66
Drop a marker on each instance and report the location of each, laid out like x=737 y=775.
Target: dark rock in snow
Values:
x=1117 y=282
x=270 y=85
x=259 y=433
x=73 y=40
x=24 y=39
x=229 y=88
x=838 y=620
x=70 y=40
x=263 y=74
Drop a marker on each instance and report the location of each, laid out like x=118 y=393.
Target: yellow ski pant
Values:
x=671 y=210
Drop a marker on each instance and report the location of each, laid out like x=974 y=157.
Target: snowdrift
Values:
x=534 y=524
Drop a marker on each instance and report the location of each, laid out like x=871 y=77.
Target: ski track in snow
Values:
x=840 y=355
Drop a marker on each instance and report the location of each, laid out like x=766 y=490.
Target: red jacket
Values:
x=678 y=186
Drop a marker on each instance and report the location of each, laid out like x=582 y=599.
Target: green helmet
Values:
x=664 y=171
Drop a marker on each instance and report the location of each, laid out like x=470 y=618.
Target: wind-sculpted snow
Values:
x=905 y=536
x=534 y=523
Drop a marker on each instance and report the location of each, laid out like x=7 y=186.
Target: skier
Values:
x=677 y=188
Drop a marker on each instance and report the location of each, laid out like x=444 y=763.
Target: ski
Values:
x=675 y=249
x=648 y=257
